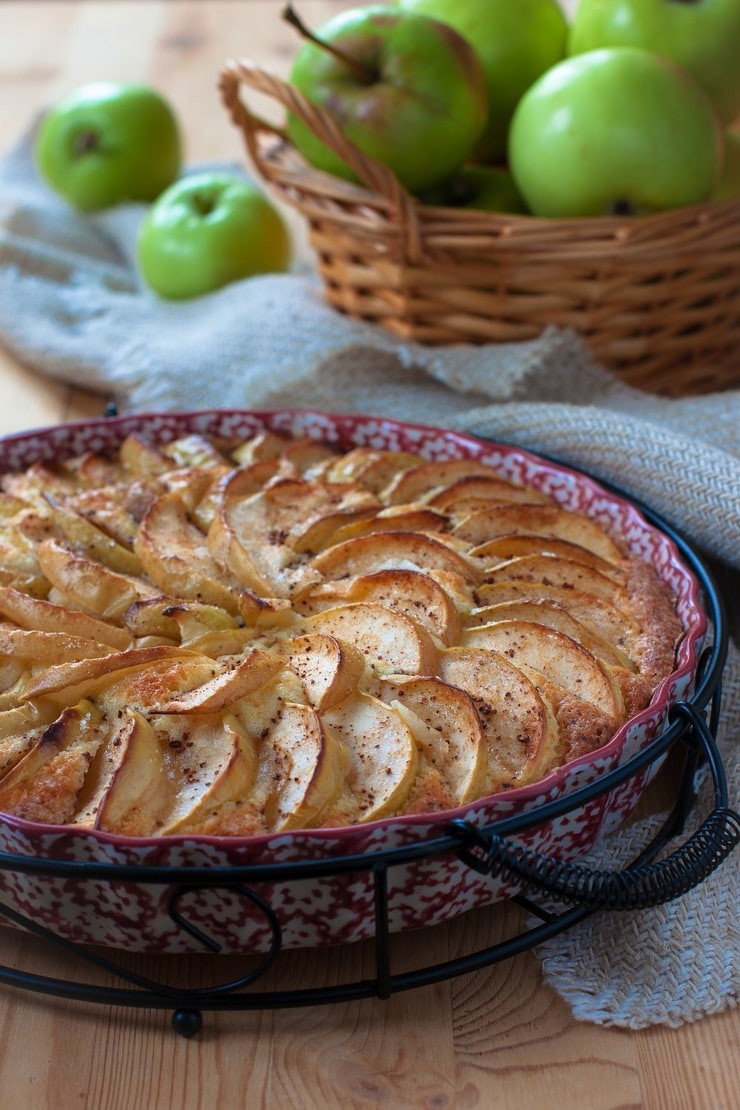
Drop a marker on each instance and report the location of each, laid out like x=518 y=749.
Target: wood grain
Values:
x=495 y=1038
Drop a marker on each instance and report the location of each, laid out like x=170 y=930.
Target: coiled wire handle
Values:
x=636 y=887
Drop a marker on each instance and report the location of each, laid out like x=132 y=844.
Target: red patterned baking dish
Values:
x=316 y=910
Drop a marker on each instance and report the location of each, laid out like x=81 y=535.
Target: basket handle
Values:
x=636 y=887
x=375 y=176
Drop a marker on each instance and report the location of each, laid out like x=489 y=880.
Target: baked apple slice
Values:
x=230 y=685
x=521 y=733
x=378 y=551
x=542 y=520
x=40 y=650
x=556 y=616
x=448 y=733
x=20 y=728
x=94 y=588
x=422 y=481
x=141 y=676
x=177 y=619
x=557 y=656
x=196 y=488
x=138 y=792
x=32 y=486
x=388 y=638
x=514 y=545
x=89 y=540
x=254 y=536
x=194 y=451
x=551 y=570
x=104 y=507
x=476 y=491
x=319 y=531
x=307 y=767
x=372 y=467
x=306 y=457
x=174 y=554
x=263 y=445
x=598 y=613
x=212 y=760
x=26 y=717
x=382 y=759
x=246 y=480
x=396 y=518
x=265 y=612
x=410 y=592
x=37 y=613
x=141 y=459
x=329 y=669
x=222 y=642
x=24 y=654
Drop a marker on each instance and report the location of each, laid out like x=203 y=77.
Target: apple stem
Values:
x=367 y=76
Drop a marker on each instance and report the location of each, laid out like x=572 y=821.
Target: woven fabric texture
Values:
x=73 y=308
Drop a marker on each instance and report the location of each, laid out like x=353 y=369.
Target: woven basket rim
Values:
x=273 y=153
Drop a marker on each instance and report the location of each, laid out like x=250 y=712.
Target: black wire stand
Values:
x=649 y=880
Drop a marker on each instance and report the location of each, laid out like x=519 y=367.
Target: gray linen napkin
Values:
x=73 y=307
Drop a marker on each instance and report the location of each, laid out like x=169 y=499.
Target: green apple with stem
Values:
x=209 y=229
x=615 y=131
x=405 y=89
x=108 y=142
x=517 y=40
x=703 y=36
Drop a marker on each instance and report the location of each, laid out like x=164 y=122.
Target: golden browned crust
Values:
x=236 y=638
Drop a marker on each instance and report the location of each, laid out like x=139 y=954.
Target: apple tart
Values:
x=236 y=638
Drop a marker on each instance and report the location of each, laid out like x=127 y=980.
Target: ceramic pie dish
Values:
x=175 y=904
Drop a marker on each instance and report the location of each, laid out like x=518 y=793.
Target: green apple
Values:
x=108 y=142
x=728 y=183
x=207 y=230
x=517 y=40
x=407 y=90
x=619 y=130
x=485 y=188
x=703 y=36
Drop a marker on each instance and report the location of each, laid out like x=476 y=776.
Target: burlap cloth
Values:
x=72 y=307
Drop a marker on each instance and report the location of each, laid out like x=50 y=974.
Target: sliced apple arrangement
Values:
x=624 y=110
x=236 y=638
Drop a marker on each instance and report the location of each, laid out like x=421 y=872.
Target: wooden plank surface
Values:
x=497 y=1038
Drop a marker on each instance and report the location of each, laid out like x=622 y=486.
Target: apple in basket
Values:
x=614 y=131
x=516 y=43
x=728 y=184
x=207 y=230
x=703 y=36
x=486 y=188
x=407 y=90
x=108 y=142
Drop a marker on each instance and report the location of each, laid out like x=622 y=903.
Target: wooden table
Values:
x=497 y=1038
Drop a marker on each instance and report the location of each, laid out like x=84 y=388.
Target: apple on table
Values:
x=108 y=142
x=618 y=131
x=209 y=229
x=407 y=90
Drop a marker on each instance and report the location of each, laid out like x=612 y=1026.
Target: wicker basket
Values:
x=656 y=298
